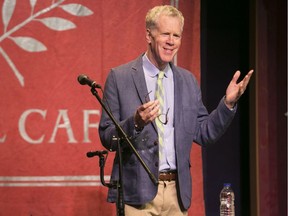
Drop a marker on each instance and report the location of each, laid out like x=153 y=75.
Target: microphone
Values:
x=96 y=153
x=85 y=80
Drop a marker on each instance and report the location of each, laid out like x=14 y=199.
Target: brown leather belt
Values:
x=168 y=176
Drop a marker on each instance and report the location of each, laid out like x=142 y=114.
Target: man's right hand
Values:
x=146 y=113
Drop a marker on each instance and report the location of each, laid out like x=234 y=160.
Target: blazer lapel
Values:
x=178 y=84
x=140 y=82
x=139 y=79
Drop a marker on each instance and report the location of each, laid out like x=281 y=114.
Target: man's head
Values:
x=164 y=26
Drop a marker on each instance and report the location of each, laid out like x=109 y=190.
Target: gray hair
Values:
x=167 y=10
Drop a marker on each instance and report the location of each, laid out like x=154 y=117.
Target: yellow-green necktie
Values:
x=160 y=93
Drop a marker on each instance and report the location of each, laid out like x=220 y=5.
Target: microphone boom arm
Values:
x=124 y=135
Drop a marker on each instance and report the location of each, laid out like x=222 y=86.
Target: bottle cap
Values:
x=227 y=184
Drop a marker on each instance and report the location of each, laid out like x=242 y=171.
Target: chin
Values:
x=167 y=59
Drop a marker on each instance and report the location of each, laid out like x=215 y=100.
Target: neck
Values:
x=159 y=64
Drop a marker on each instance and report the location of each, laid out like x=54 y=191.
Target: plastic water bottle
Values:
x=227 y=201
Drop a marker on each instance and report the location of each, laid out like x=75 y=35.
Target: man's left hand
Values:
x=235 y=90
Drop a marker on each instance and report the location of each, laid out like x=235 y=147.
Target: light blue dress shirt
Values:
x=168 y=161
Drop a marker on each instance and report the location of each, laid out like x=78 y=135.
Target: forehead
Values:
x=169 y=24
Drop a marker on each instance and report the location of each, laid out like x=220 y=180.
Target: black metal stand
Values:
x=119 y=184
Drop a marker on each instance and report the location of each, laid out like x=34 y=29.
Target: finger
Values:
x=147 y=105
x=153 y=117
x=153 y=105
x=155 y=111
x=236 y=76
x=151 y=114
x=250 y=72
x=247 y=79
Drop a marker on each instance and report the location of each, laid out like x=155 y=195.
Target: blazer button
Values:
x=156 y=164
x=156 y=142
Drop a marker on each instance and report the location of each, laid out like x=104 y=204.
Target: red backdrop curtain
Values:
x=48 y=121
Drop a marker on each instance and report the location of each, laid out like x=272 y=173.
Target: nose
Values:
x=170 y=40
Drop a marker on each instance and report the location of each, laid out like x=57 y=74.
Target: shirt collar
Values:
x=152 y=70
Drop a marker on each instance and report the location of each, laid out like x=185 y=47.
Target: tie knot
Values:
x=160 y=74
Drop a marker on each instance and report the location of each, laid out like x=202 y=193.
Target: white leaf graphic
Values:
x=58 y=24
x=76 y=9
x=29 y=44
x=13 y=67
x=7 y=11
x=33 y=3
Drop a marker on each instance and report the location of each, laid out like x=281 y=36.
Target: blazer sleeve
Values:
x=107 y=130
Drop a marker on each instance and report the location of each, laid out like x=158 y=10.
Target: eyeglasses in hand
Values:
x=162 y=117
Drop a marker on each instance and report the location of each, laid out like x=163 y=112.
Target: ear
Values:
x=148 y=36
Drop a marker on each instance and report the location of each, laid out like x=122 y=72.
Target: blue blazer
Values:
x=125 y=90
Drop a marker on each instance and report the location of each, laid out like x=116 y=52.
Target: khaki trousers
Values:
x=164 y=204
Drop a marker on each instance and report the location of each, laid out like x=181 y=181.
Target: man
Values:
x=163 y=115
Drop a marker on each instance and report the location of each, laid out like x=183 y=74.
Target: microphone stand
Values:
x=122 y=134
